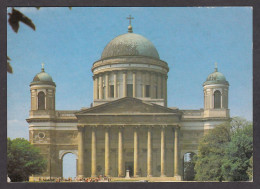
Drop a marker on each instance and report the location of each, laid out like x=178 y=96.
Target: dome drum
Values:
x=130 y=63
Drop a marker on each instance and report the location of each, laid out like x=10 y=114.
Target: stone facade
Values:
x=129 y=125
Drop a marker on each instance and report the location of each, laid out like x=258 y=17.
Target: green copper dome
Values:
x=43 y=78
x=216 y=78
x=130 y=44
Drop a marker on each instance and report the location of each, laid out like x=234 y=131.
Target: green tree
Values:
x=211 y=152
x=238 y=154
x=23 y=160
x=224 y=152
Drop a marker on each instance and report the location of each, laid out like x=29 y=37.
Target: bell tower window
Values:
x=217 y=99
x=41 y=101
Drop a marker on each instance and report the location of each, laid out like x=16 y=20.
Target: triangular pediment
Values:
x=127 y=105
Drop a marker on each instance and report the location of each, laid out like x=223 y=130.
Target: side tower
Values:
x=42 y=95
x=216 y=95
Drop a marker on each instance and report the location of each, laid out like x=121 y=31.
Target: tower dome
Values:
x=130 y=44
x=216 y=78
x=42 y=78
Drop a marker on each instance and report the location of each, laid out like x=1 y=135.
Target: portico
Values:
x=131 y=141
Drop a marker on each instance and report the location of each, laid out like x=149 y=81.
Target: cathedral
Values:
x=129 y=129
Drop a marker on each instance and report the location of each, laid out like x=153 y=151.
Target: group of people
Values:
x=100 y=178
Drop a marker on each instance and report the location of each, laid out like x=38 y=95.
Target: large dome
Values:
x=130 y=44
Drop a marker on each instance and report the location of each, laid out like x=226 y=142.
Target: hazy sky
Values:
x=190 y=40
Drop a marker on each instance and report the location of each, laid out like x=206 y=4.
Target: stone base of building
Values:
x=119 y=179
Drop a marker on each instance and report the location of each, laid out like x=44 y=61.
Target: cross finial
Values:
x=42 y=67
x=130 y=18
x=130 y=28
x=216 y=66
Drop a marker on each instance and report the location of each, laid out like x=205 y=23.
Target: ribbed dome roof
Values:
x=130 y=44
x=43 y=78
x=216 y=78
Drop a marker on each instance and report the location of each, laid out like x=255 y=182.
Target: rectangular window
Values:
x=156 y=92
x=147 y=91
x=111 y=91
x=130 y=90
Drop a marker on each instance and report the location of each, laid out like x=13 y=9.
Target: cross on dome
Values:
x=216 y=66
x=42 y=67
x=130 y=28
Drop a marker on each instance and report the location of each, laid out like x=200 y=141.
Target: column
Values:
x=159 y=86
x=166 y=78
x=162 y=151
x=95 y=88
x=163 y=86
x=100 y=87
x=93 y=152
x=107 y=87
x=149 y=152
x=120 y=152
x=136 y=167
x=107 y=149
x=176 y=151
x=81 y=166
x=134 y=84
x=115 y=85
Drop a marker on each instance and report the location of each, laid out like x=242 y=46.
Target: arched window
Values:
x=41 y=101
x=217 y=99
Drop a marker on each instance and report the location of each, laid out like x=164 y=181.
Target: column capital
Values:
x=149 y=127
x=163 y=126
x=81 y=128
x=107 y=127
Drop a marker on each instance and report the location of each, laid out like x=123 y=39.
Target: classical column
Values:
x=134 y=84
x=149 y=152
x=176 y=152
x=159 y=86
x=115 y=85
x=81 y=160
x=120 y=152
x=95 y=87
x=162 y=151
x=166 y=78
x=163 y=86
x=107 y=160
x=107 y=87
x=93 y=152
x=100 y=87
x=124 y=84
x=136 y=167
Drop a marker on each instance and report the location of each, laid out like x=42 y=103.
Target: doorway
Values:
x=129 y=166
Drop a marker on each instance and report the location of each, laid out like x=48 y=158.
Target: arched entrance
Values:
x=69 y=163
x=188 y=166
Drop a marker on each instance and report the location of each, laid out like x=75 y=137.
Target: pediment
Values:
x=127 y=105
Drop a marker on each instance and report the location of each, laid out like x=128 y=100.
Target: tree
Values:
x=23 y=160
x=15 y=17
x=238 y=154
x=224 y=152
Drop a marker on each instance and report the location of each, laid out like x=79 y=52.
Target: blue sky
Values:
x=190 y=40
